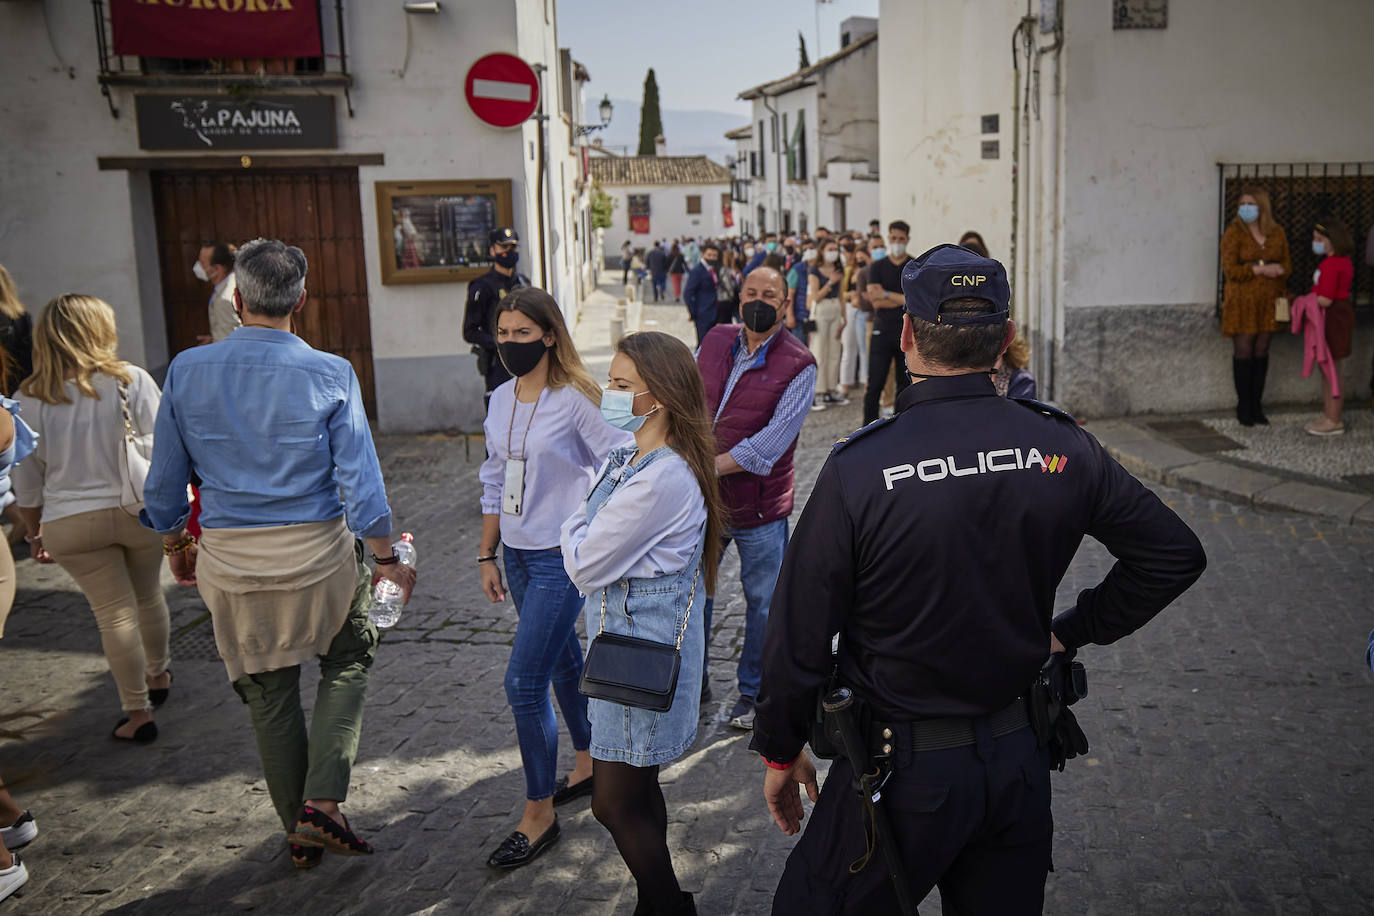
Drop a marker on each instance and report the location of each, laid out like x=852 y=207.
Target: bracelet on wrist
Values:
x=774 y=765
x=180 y=546
x=487 y=559
x=386 y=561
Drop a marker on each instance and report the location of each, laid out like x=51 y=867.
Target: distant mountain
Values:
x=688 y=133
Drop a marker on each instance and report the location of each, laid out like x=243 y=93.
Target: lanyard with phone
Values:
x=513 y=490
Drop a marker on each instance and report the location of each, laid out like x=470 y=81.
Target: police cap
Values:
x=503 y=235
x=948 y=272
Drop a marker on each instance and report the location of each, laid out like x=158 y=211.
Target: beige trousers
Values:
x=117 y=563
x=825 y=346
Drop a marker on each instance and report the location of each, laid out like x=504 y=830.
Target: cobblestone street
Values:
x=1229 y=771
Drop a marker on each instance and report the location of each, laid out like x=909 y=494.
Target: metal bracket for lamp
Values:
x=605 y=109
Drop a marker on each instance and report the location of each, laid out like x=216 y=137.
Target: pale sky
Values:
x=703 y=53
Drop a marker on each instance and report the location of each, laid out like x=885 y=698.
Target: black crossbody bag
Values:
x=632 y=671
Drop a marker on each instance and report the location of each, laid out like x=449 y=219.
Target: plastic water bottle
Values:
x=387 y=597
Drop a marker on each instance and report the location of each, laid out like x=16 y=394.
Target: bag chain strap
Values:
x=691 y=598
x=129 y=430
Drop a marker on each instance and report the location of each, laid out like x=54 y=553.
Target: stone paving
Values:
x=1284 y=445
x=1229 y=770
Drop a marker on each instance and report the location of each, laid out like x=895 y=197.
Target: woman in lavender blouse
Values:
x=545 y=437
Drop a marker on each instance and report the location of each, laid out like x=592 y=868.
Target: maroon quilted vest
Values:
x=751 y=500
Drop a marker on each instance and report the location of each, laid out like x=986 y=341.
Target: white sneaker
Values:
x=20 y=833
x=13 y=878
x=818 y=405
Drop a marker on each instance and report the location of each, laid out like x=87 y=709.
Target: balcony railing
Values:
x=330 y=69
x=1302 y=194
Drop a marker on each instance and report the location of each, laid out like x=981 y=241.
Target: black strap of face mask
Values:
x=913 y=376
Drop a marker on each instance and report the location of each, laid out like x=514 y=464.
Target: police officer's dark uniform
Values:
x=483 y=295
x=933 y=543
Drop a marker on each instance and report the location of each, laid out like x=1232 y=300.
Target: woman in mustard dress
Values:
x=1255 y=264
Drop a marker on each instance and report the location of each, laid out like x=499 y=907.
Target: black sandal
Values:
x=144 y=734
x=158 y=695
x=315 y=828
x=305 y=856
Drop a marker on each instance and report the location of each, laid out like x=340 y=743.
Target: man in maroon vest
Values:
x=759 y=387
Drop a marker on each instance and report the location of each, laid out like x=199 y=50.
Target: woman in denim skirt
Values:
x=636 y=552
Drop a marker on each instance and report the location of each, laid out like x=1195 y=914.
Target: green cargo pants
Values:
x=297 y=768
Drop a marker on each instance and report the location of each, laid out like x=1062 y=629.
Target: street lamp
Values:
x=604 y=109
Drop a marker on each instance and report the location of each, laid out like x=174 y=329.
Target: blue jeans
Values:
x=546 y=649
x=660 y=286
x=760 y=559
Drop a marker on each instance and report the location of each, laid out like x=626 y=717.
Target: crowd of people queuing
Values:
x=844 y=301
x=612 y=502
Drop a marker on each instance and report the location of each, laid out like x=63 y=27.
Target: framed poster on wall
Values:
x=437 y=231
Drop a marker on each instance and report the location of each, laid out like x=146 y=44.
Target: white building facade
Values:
x=811 y=155
x=1102 y=168
x=134 y=213
x=663 y=198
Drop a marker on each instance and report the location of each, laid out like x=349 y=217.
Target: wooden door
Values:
x=317 y=210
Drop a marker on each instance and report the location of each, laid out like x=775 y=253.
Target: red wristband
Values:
x=779 y=766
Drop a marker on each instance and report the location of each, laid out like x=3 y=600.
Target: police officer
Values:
x=483 y=294
x=932 y=544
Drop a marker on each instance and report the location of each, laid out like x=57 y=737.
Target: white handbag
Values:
x=136 y=457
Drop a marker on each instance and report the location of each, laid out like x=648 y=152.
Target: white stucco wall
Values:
x=56 y=127
x=861 y=202
x=1150 y=113
x=941 y=66
x=797 y=196
x=668 y=216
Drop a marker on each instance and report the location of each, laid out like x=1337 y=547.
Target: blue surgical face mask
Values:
x=771 y=246
x=1248 y=212
x=1318 y=248
x=878 y=254
x=618 y=407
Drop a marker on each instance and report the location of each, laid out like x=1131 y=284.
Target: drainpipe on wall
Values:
x=777 y=162
x=1052 y=167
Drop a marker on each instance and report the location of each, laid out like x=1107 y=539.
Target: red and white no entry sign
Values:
x=502 y=90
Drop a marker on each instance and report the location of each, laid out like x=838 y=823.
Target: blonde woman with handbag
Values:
x=79 y=491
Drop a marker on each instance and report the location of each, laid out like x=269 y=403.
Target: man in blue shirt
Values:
x=797 y=289
x=277 y=434
x=768 y=246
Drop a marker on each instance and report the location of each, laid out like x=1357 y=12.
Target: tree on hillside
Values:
x=805 y=59
x=650 y=120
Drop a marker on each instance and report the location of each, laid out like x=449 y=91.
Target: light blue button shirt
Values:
x=276 y=432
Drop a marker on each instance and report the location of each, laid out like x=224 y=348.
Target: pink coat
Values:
x=1309 y=319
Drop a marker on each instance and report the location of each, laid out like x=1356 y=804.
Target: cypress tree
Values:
x=650 y=120
x=805 y=60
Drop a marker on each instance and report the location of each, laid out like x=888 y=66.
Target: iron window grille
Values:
x=1302 y=194
x=328 y=70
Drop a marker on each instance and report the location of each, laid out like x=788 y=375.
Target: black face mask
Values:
x=521 y=358
x=508 y=258
x=758 y=316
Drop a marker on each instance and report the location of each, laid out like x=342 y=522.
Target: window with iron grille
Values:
x=1302 y=194
x=693 y=204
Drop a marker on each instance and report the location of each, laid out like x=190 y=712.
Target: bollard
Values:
x=618 y=323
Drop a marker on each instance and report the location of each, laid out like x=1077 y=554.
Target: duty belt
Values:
x=946 y=733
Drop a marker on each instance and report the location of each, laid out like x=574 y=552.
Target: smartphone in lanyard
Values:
x=513 y=490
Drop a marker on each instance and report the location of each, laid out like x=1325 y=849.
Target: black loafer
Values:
x=517 y=850
x=564 y=793
x=144 y=734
